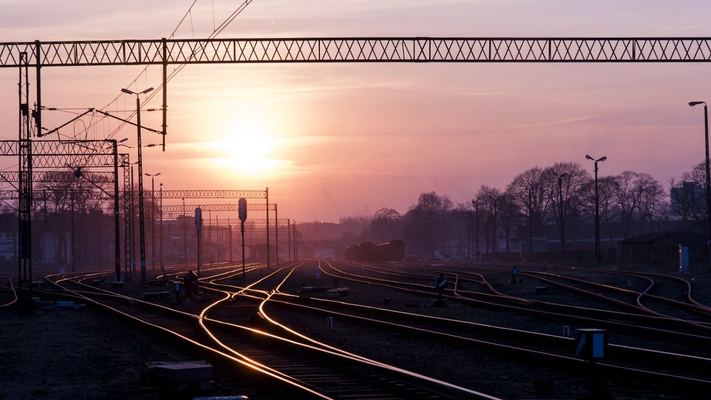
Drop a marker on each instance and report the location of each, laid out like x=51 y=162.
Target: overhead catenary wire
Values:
x=180 y=67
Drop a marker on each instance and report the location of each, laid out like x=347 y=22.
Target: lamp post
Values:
x=597 y=208
x=185 y=236
x=153 y=219
x=708 y=180
x=162 y=266
x=141 y=213
x=469 y=235
x=476 y=229
x=530 y=220
x=495 y=246
x=560 y=206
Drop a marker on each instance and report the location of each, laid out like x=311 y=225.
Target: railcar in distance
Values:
x=393 y=250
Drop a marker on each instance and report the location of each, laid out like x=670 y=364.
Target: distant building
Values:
x=665 y=238
x=7 y=244
x=8 y=229
x=324 y=252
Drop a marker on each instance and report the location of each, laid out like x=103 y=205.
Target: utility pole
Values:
x=185 y=235
x=560 y=207
x=469 y=235
x=141 y=216
x=708 y=176
x=296 y=256
x=153 y=220
x=243 y=217
x=495 y=246
x=117 y=228
x=73 y=247
x=476 y=229
x=276 y=223
x=268 y=259
x=597 y=209
x=162 y=266
x=132 y=207
x=229 y=231
x=530 y=222
x=198 y=226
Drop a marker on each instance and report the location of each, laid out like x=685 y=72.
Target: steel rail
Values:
x=333 y=350
x=481 y=281
x=629 y=351
x=524 y=336
x=639 y=317
x=638 y=296
x=14 y=295
x=558 y=315
x=255 y=367
x=247 y=359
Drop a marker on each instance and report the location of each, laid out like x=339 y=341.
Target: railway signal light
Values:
x=591 y=344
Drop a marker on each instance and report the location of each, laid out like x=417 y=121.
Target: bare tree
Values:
x=425 y=222
x=386 y=225
x=651 y=202
x=528 y=192
x=488 y=200
x=637 y=193
x=566 y=198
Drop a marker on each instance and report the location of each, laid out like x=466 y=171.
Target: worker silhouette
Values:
x=514 y=272
x=190 y=281
x=440 y=285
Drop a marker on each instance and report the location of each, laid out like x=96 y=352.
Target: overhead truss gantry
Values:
x=384 y=49
x=166 y=52
x=190 y=210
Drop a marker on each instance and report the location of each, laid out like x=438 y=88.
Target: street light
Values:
x=530 y=220
x=597 y=208
x=162 y=266
x=185 y=236
x=141 y=214
x=476 y=228
x=495 y=246
x=708 y=180
x=153 y=219
x=560 y=204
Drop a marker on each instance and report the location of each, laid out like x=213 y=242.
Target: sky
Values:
x=349 y=139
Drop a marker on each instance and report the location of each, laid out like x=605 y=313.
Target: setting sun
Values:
x=247 y=147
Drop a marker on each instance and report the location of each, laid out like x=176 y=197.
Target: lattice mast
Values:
x=24 y=273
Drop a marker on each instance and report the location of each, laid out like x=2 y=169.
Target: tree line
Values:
x=555 y=202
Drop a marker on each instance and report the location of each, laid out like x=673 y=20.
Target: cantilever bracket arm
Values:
x=127 y=121
x=39 y=134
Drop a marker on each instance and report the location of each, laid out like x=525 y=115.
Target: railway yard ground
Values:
x=373 y=314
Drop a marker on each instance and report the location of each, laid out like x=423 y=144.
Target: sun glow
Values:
x=248 y=146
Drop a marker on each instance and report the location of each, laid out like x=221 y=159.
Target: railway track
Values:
x=8 y=295
x=317 y=372
x=242 y=328
x=628 y=359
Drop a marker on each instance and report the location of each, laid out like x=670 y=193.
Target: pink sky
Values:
x=352 y=138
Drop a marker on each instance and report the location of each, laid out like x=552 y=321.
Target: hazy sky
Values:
x=347 y=139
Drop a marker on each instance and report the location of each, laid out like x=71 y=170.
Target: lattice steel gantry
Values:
x=52 y=161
